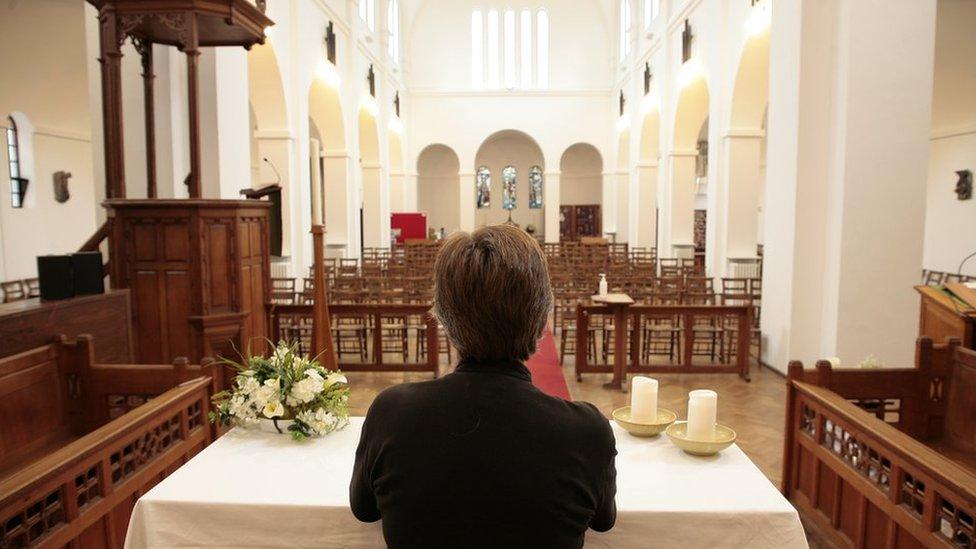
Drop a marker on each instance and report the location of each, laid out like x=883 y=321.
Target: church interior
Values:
x=770 y=200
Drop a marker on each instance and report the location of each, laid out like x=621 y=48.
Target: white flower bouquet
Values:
x=285 y=388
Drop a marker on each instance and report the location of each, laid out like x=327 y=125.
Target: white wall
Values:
x=950 y=224
x=42 y=56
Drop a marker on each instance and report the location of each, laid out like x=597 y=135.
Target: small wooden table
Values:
x=619 y=305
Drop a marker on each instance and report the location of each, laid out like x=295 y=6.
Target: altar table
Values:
x=256 y=489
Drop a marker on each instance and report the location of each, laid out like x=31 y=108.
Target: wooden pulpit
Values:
x=198 y=272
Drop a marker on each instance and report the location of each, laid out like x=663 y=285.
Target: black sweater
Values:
x=482 y=458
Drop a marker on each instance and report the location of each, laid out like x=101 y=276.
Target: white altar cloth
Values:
x=254 y=489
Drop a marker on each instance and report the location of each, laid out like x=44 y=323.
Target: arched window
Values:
x=18 y=185
x=651 y=8
x=624 y=29
x=508 y=187
x=510 y=78
x=483 y=187
x=477 y=50
x=535 y=188
x=525 y=48
x=366 y=13
x=393 y=26
x=542 y=49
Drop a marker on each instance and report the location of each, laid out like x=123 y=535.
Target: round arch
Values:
x=375 y=205
x=327 y=158
x=517 y=150
x=439 y=187
x=746 y=150
x=690 y=116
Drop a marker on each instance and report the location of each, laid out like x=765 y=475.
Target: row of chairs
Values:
x=18 y=290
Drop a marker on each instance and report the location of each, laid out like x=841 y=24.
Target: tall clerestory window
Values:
x=17 y=183
x=393 y=26
x=625 y=28
x=367 y=12
x=509 y=49
x=651 y=9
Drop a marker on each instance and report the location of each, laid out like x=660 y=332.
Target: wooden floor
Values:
x=755 y=409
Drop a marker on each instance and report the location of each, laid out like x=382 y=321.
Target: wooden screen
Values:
x=83 y=494
x=576 y=222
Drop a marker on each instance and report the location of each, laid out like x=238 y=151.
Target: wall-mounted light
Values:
x=650 y=102
x=759 y=18
x=328 y=73
x=622 y=124
x=370 y=106
x=396 y=125
x=690 y=72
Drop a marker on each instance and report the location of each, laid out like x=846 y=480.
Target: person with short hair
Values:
x=481 y=457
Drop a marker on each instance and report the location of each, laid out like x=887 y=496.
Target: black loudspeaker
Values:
x=87 y=274
x=54 y=276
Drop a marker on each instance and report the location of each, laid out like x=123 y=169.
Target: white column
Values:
x=224 y=123
x=551 y=201
x=410 y=193
x=623 y=205
x=741 y=181
x=849 y=116
x=374 y=222
x=336 y=197
x=682 y=196
x=643 y=200
x=466 y=201
x=608 y=209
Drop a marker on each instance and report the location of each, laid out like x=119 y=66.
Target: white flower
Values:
x=305 y=390
x=267 y=393
x=247 y=385
x=313 y=373
x=334 y=378
x=320 y=421
x=274 y=409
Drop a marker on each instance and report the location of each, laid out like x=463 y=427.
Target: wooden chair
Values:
x=33 y=287
x=13 y=290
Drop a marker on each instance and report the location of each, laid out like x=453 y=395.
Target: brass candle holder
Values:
x=678 y=433
x=664 y=418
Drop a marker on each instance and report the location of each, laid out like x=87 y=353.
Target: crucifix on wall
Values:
x=686 y=39
x=648 y=76
x=371 y=78
x=623 y=102
x=330 y=43
x=396 y=102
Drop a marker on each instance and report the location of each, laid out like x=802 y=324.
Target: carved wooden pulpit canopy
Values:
x=186 y=24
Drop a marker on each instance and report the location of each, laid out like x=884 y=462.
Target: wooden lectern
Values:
x=942 y=316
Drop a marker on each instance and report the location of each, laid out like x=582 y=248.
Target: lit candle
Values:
x=702 y=406
x=643 y=400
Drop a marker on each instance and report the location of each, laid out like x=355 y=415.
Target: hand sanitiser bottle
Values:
x=603 y=284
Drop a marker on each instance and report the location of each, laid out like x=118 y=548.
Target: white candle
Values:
x=643 y=400
x=316 y=204
x=702 y=406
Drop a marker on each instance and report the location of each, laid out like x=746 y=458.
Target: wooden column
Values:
x=145 y=49
x=322 y=346
x=620 y=305
x=111 y=60
x=192 y=50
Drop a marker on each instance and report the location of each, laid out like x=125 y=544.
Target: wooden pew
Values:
x=884 y=457
x=80 y=441
x=82 y=495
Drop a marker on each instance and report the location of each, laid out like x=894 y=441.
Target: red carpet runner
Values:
x=547 y=374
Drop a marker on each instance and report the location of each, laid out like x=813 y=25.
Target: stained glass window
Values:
x=483 y=187
x=535 y=187
x=508 y=187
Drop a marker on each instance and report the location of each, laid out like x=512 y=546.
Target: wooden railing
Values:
x=82 y=494
x=865 y=483
x=95 y=241
x=718 y=334
x=290 y=322
x=855 y=461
